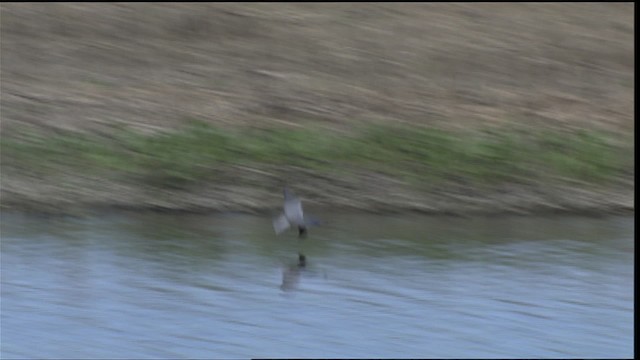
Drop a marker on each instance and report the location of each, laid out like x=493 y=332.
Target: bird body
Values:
x=292 y=215
x=293 y=209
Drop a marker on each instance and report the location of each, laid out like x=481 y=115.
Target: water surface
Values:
x=224 y=286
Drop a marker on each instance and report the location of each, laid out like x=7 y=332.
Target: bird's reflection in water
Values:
x=291 y=274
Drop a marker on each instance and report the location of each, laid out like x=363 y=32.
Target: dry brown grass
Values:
x=153 y=66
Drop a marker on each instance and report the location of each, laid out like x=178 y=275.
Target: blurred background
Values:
x=88 y=66
x=345 y=100
x=485 y=111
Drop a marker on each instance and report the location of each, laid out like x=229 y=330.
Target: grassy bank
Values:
x=501 y=106
x=190 y=156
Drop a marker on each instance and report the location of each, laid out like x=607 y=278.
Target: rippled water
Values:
x=224 y=286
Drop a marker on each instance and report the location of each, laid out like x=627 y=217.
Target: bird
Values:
x=293 y=215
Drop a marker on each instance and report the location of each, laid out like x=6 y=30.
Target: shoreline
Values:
x=82 y=210
x=387 y=170
x=525 y=200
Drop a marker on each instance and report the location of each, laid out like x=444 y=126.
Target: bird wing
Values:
x=310 y=221
x=280 y=224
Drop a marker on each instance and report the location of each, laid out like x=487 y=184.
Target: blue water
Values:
x=224 y=286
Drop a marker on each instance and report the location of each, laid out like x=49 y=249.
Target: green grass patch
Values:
x=191 y=155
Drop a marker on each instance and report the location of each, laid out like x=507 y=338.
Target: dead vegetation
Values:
x=151 y=66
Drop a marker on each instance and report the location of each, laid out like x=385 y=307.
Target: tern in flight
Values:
x=293 y=216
